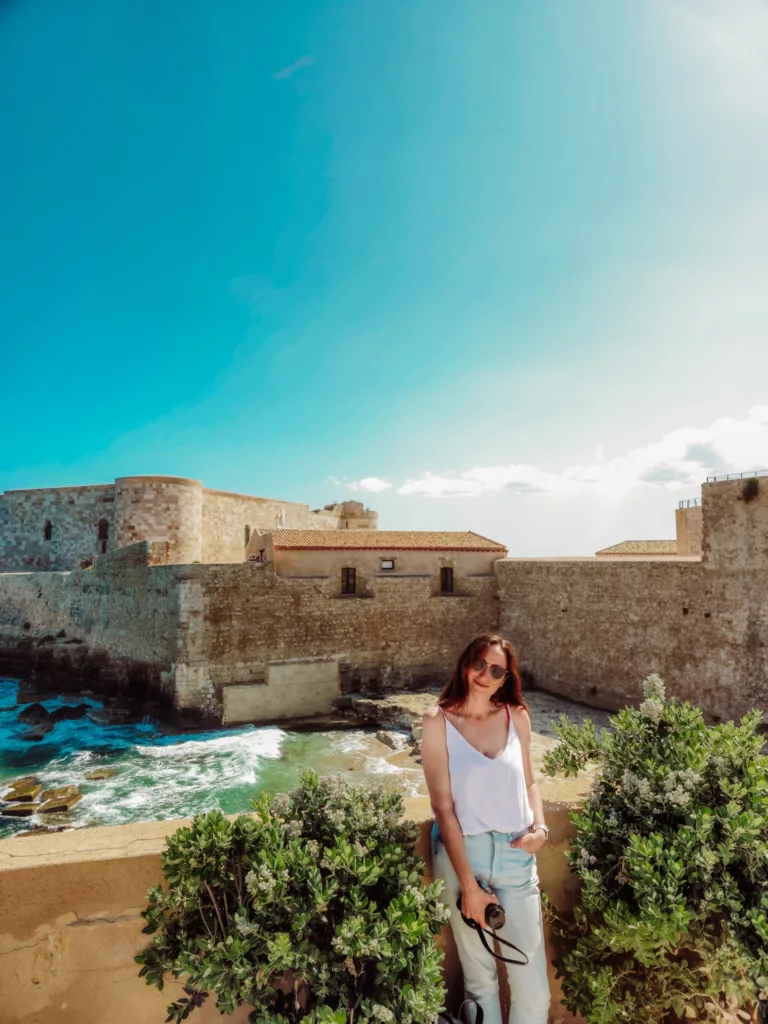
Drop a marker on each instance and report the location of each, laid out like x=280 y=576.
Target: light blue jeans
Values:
x=511 y=875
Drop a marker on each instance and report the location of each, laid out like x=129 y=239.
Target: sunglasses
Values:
x=497 y=672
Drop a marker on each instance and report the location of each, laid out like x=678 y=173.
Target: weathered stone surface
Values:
x=100 y=773
x=57 y=804
x=37 y=732
x=69 y=712
x=20 y=810
x=23 y=789
x=59 y=793
x=390 y=739
x=24 y=795
x=38 y=830
x=34 y=714
x=108 y=716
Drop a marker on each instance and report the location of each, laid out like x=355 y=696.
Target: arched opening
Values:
x=246 y=534
x=48 y=530
x=103 y=536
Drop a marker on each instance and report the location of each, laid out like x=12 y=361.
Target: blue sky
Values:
x=508 y=258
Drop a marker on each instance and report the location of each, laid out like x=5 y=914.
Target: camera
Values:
x=495 y=917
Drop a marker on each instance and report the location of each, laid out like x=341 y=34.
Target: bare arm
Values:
x=534 y=841
x=434 y=757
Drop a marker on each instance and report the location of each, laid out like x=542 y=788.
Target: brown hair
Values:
x=455 y=692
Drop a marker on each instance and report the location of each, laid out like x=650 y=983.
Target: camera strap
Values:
x=445 y=1018
x=482 y=932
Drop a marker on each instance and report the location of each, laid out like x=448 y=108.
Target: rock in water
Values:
x=37 y=732
x=34 y=714
x=42 y=830
x=390 y=739
x=19 y=810
x=62 y=804
x=100 y=773
x=70 y=712
x=25 y=789
x=58 y=792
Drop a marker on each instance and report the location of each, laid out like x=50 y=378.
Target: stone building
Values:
x=352 y=557
x=57 y=528
x=687 y=542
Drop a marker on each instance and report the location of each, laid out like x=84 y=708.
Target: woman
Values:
x=489 y=823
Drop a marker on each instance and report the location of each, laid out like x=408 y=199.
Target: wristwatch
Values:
x=540 y=826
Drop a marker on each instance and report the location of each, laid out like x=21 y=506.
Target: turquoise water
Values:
x=164 y=774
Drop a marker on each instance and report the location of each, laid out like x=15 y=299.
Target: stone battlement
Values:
x=57 y=528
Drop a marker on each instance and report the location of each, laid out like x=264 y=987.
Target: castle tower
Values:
x=165 y=509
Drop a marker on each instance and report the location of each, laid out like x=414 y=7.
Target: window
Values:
x=387 y=565
x=446 y=580
x=246 y=535
x=48 y=530
x=103 y=536
x=348 y=581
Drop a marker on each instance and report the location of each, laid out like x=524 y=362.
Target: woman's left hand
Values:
x=531 y=842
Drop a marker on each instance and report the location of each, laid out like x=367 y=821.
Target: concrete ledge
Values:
x=70 y=906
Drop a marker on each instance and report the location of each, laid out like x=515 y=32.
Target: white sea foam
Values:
x=161 y=776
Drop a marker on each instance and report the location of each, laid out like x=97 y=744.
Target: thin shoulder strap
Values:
x=441 y=712
x=509 y=716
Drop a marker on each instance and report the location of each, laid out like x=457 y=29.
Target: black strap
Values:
x=446 y=1018
x=478 y=1010
x=482 y=932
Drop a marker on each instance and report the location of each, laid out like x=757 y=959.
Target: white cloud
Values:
x=369 y=483
x=682 y=459
x=333 y=480
x=733 y=40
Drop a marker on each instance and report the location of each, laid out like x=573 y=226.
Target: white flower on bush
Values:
x=281 y=805
x=653 y=709
x=418 y=895
x=689 y=778
x=653 y=687
x=261 y=881
x=636 y=785
x=679 y=797
x=442 y=913
x=382 y=1013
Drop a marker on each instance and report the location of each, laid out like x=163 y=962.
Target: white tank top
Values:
x=489 y=793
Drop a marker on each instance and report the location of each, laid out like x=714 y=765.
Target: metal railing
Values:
x=746 y=475
x=689 y=503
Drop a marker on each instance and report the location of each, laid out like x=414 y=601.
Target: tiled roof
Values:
x=641 y=547
x=384 y=540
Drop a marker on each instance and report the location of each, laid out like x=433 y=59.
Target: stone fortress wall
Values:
x=590 y=629
x=203 y=628
x=74 y=514
x=57 y=528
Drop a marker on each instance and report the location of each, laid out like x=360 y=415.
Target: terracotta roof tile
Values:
x=641 y=547
x=385 y=540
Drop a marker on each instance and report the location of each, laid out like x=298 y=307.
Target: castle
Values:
x=58 y=528
x=252 y=639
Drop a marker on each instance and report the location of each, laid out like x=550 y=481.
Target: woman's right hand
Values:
x=474 y=900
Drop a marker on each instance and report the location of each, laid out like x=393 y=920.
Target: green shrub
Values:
x=671 y=851
x=312 y=910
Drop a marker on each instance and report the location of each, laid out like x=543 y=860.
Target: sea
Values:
x=162 y=773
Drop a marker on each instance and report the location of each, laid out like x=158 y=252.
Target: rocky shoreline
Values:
x=401 y=713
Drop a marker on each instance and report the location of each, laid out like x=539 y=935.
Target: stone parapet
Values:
x=70 y=921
